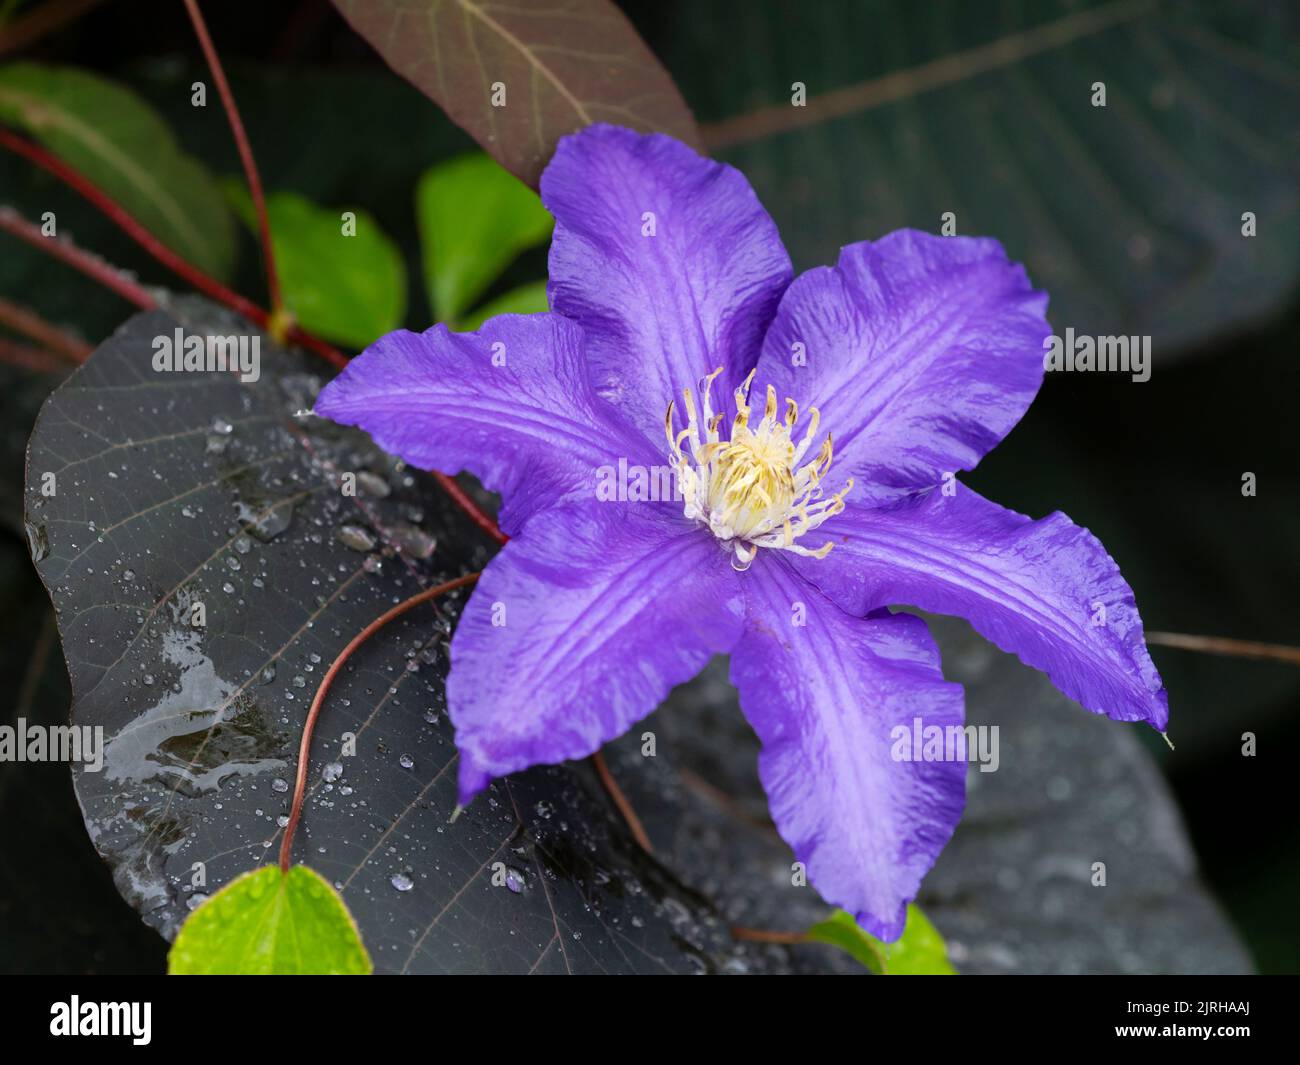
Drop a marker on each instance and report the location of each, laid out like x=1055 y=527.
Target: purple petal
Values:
x=921 y=353
x=826 y=698
x=1046 y=590
x=659 y=311
x=511 y=403
x=579 y=628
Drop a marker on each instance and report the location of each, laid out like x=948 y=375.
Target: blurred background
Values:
x=1129 y=215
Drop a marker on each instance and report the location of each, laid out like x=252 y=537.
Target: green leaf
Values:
x=271 y=923
x=526 y=299
x=920 y=951
x=475 y=219
x=349 y=289
x=117 y=141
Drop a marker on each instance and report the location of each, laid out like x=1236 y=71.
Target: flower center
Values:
x=750 y=489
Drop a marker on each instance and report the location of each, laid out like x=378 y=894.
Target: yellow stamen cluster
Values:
x=750 y=489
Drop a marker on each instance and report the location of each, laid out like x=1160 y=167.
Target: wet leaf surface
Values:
x=175 y=490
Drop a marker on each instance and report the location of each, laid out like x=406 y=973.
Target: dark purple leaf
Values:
x=519 y=77
x=175 y=489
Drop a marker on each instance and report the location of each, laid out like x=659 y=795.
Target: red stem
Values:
x=206 y=284
x=461 y=498
x=762 y=935
x=31 y=27
x=621 y=801
x=209 y=286
x=309 y=726
x=33 y=326
x=1223 y=645
x=89 y=264
x=246 y=157
x=38 y=360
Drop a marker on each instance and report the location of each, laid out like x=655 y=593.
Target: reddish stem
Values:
x=1223 y=645
x=309 y=726
x=209 y=286
x=461 y=498
x=29 y=358
x=47 y=18
x=761 y=935
x=206 y=284
x=33 y=326
x=246 y=157
x=88 y=263
x=620 y=800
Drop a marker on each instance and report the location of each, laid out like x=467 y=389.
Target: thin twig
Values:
x=188 y=272
x=39 y=360
x=42 y=20
x=761 y=935
x=87 y=262
x=250 y=165
x=620 y=800
x=33 y=326
x=461 y=498
x=209 y=286
x=1223 y=645
x=309 y=726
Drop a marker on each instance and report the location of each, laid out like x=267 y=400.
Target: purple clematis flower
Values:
x=812 y=427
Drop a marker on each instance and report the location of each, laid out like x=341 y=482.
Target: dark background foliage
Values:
x=1153 y=469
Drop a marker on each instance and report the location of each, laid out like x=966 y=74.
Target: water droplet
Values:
x=279 y=784
x=332 y=771
x=406 y=762
x=412 y=541
x=372 y=484
x=268 y=521
x=356 y=537
x=402 y=882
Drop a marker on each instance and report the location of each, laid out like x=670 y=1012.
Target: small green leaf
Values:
x=920 y=951
x=271 y=923
x=526 y=299
x=117 y=141
x=349 y=289
x=475 y=219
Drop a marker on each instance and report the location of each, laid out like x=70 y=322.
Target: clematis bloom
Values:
x=813 y=427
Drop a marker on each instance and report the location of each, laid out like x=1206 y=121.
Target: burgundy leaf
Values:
x=551 y=69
